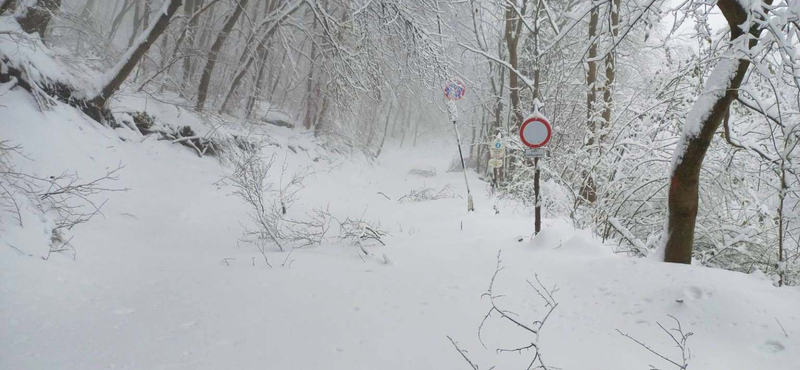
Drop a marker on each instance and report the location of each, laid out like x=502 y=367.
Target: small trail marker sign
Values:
x=535 y=153
x=497 y=149
x=535 y=132
x=454 y=89
x=495 y=163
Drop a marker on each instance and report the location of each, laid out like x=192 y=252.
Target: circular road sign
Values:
x=535 y=132
x=454 y=89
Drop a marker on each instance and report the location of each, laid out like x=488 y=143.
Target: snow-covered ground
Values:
x=160 y=281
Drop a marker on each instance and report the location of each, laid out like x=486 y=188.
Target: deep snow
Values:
x=148 y=288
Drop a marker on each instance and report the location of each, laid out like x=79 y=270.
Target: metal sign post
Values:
x=535 y=133
x=454 y=90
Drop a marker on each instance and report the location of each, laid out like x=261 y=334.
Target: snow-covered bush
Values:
x=426 y=194
x=64 y=200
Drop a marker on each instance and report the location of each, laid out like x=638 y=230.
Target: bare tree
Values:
x=702 y=121
x=202 y=90
x=113 y=79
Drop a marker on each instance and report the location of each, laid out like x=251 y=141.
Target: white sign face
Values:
x=495 y=163
x=535 y=132
x=535 y=153
x=497 y=149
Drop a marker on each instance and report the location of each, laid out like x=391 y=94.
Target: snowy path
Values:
x=148 y=289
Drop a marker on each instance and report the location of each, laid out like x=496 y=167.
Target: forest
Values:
x=308 y=184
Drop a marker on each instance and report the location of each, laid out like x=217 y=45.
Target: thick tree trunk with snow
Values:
x=589 y=189
x=205 y=80
x=36 y=18
x=5 y=5
x=114 y=78
x=701 y=123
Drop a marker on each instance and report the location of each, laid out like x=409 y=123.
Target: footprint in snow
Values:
x=691 y=294
x=772 y=346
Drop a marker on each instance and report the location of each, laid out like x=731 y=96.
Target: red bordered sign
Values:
x=535 y=132
x=454 y=89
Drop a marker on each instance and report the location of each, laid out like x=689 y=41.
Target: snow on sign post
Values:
x=535 y=132
x=454 y=89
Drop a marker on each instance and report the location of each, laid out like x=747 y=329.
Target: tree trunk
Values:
x=385 y=129
x=116 y=76
x=310 y=99
x=5 y=5
x=237 y=79
x=202 y=90
x=137 y=22
x=148 y=9
x=36 y=18
x=88 y=10
x=319 y=121
x=703 y=120
x=126 y=7
x=191 y=7
x=512 y=32
x=260 y=81
x=407 y=123
x=611 y=71
x=588 y=190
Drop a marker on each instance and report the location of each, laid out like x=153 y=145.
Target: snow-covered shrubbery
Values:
x=59 y=201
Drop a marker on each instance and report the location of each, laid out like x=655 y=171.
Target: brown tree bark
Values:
x=512 y=32
x=5 y=5
x=37 y=17
x=588 y=190
x=205 y=80
x=611 y=70
x=688 y=159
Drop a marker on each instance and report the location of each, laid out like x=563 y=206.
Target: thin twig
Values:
x=463 y=354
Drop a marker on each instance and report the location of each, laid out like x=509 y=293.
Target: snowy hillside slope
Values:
x=160 y=281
